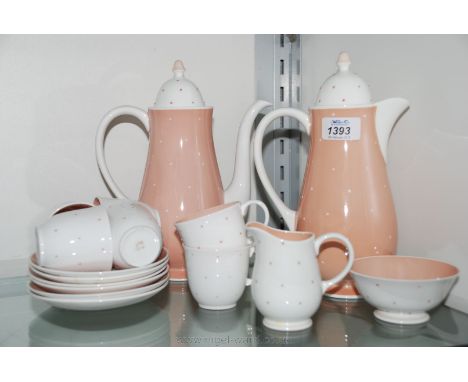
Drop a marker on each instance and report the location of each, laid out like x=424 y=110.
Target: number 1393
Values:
x=335 y=130
x=341 y=129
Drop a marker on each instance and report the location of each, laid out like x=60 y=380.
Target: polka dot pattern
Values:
x=217 y=278
x=286 y=279
x=60 y=240
x=179 y=92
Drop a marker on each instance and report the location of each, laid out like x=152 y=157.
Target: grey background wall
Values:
x=54 y=91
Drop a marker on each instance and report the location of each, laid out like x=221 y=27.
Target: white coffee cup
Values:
x=222 y=226
x=76 y=240
x=136 y=231
x=217 y=277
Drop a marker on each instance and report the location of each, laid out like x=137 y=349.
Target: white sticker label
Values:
x=341 y=129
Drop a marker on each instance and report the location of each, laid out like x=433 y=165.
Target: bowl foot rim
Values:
x=402 y=318
x=287 y=326
x=343 y=297
x=217 y=307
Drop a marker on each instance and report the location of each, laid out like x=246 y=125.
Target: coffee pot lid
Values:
x=344 y=88
x=179 y=92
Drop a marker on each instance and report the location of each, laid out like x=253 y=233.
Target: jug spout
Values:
x=388 y=113
x=261 y=232
x=239 y=188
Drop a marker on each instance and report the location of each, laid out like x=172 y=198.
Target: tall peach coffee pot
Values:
x=346 y=188
x=182 y=174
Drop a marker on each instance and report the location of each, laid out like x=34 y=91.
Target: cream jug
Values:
x=346 y=188
x=286 y=284
x=182 y=174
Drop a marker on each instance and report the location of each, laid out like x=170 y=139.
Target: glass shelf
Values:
x=172 y=318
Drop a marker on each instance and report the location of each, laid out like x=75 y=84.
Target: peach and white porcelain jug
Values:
x=346 y=188
x=182 y=174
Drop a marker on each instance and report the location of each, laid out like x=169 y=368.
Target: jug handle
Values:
x=340 y=276
x=288 y=214
x=250 y=242
x=141 y=115
x=266 y=213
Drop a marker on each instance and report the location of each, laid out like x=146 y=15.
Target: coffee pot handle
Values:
x=288 y=214
x=139 y=114
x=340 y=276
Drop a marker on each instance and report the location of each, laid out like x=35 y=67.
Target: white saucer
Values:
x=401 y=318
x=163 y=258
x=37 y=290
x=101 y=303
x=98 y=288
x=112 y=277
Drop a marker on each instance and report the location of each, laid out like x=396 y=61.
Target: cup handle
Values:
x=340 y=276
x=244 y=208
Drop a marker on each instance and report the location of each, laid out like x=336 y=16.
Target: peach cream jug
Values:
x=345 y=188
x=182 y=174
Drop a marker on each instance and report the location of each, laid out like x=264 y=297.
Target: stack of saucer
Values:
x=83 y=290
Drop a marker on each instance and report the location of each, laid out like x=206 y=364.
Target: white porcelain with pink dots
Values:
x=222 y=226
x=286 y=284
x=343 y=88
x=78 y=240
x=136 y=231
x=403 y=288
x=217 y=277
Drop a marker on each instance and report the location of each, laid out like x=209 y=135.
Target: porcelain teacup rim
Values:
x=193 y=217
x=406 y=280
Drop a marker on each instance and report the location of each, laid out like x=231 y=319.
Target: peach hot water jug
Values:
x=182 y=174
x=346 y=188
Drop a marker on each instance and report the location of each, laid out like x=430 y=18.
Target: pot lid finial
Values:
x=344 y=88
x=178 y=68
